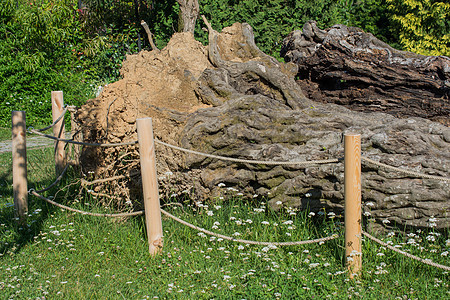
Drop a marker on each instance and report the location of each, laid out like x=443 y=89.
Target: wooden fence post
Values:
x=58 y=130
x=150 y=185
x=352 y=190
x=19 y=161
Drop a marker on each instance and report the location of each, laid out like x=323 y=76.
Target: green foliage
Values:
x=35 y=38
x=423 y=26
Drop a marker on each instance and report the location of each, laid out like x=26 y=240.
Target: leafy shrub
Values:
x=423 y=26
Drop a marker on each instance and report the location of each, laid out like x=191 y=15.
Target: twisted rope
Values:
x=81 y=143
x=265 y=162
x=403 y=170
x=55 y=182
x=136 y=213
x=55 y=122
x=248 y=241
x=425 y=261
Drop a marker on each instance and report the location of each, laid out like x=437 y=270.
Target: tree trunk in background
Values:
x=188 y=15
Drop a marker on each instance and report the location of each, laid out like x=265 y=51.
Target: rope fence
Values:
x=425 y=261
x=118 y=215
x=248 y=161
x=229 y=238
x=352 y=171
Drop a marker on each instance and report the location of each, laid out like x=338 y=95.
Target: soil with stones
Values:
x=231 y=99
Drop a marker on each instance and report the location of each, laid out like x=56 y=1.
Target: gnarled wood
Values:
x=347 y=66
x=244 y=104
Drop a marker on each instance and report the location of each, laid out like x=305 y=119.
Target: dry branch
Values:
x=150 y=35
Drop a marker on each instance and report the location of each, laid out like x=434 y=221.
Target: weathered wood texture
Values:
x=347 y=66
x=245 y=104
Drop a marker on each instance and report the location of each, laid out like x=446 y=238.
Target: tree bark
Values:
x=188 y=14
x=347 y=66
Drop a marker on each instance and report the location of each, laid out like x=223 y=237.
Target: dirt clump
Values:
x=157 y=84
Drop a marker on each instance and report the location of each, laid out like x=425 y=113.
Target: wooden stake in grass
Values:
x=150 y=185
x=352 y=190
x=58 y=130
x=19 y=160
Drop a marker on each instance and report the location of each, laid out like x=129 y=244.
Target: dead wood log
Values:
x=347 y=66
x=257 y=111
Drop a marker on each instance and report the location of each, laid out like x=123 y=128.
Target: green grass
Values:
x=5 y=133
x=70 y=256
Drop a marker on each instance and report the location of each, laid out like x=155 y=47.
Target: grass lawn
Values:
x=65 y=255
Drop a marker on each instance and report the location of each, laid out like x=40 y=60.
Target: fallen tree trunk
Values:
x=239 y=102
x=347 y=66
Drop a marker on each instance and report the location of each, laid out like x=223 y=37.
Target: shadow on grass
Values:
x=14 y=236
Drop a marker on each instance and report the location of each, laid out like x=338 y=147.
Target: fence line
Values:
x=404 y=171
x=147 y=140
x=58 y=179
x=54 y=122
x=259 y=162
x=334 y=236
x=266 y=162
x=425 y=261
x=136 y=213
x=31 y=130
x=228 y=238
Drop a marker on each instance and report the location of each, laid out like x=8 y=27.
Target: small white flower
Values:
x=210 y=213
x=221 y=184
x=240 y=247
x=432 y=219
x=367 y=214
x=236 y=234
x=311 y=214
x=216 y=223
x=307 y=195
x=288 y=222
x=431 y=238
x=265 y=223
x=278 y=203
x=386 y=221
